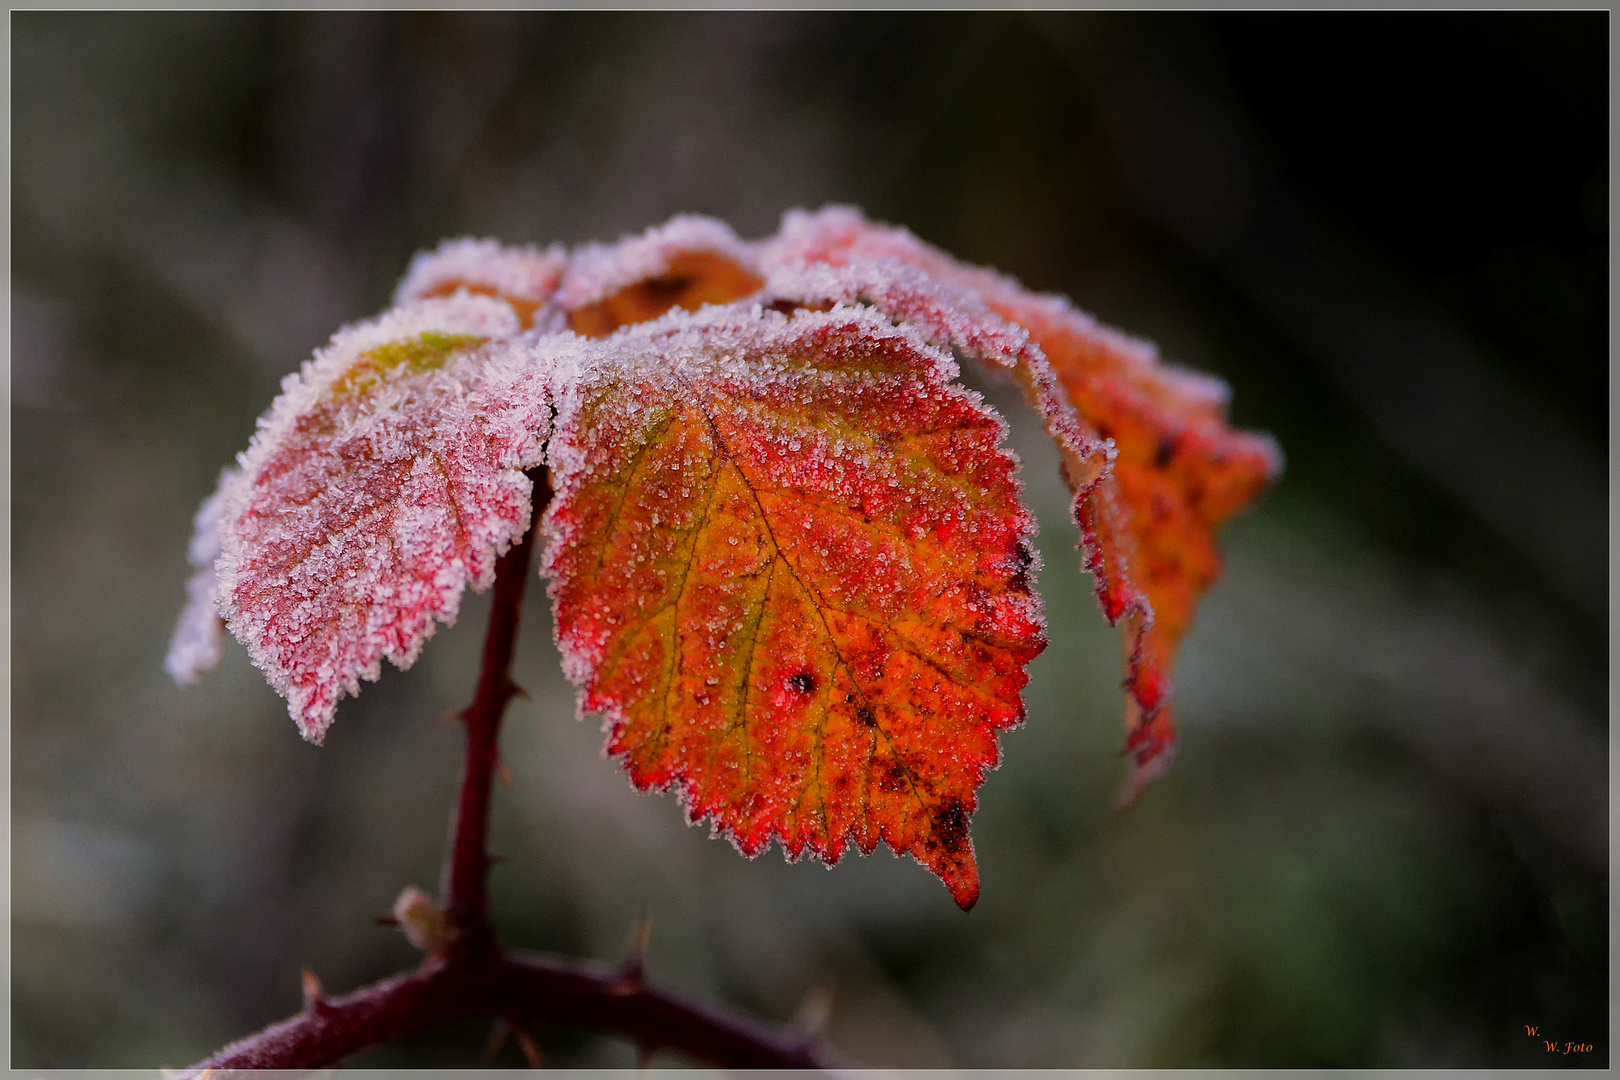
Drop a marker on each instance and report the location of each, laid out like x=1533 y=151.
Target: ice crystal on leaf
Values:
x=788 y=558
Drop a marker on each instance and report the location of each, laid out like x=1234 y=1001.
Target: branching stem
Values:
x=476 y=977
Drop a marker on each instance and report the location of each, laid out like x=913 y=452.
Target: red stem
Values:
x=477 y=978
x=466 y=870
x=519 y=989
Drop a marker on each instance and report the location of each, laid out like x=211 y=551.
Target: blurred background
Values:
x=1385 y=841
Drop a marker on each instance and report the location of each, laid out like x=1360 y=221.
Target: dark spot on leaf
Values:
x=1024 y=558
x=891 y=777
x=1164 y=451
x=951 y=825
x=666 y=288
x=865 y=715
x=804 y=682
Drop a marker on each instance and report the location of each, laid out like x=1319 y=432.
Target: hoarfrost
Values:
x=596 y=271
x=194 y=649
x=386 y=478
x=525 y=277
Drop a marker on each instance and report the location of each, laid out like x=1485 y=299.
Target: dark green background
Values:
x=1385 y=841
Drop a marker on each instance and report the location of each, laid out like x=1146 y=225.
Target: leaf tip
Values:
x=312 y=723
x=964 y=886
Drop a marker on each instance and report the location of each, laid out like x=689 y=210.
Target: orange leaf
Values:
x=1170 y=473
x=685 y=263
x=790 y=565
x=1180 y=472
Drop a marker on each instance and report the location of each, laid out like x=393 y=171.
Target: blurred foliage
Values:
x=1385 y=842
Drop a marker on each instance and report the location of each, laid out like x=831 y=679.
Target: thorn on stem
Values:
x=314 y=997
x=385 y=920
x=501 y=771
x=494 y=860
x=531 y=1049
x=635 y=959
x=514 y=690
x=497 y=1038
x=814 y=1011
x=644 y=1055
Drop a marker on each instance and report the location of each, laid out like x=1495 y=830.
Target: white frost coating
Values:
x=597 y=271
x=807 y=234
x=526 y=273
x=479 y=316
x=842 y=234
x=363 y=515
x=742 y=339
x=194 y=649
x=946 y=314
x=1138 y=352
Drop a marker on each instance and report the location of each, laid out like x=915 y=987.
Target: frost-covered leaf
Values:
x=386 y=478
x=525 y=278
x=1169 y=470
x=685 y=263
x=790 y=566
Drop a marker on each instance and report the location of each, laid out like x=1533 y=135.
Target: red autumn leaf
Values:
x=386 y=478
x=791 y=567
x=1148 y=510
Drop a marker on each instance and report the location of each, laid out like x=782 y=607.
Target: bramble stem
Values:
x=477 y=978
x=519 y=989
x=466 y=871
